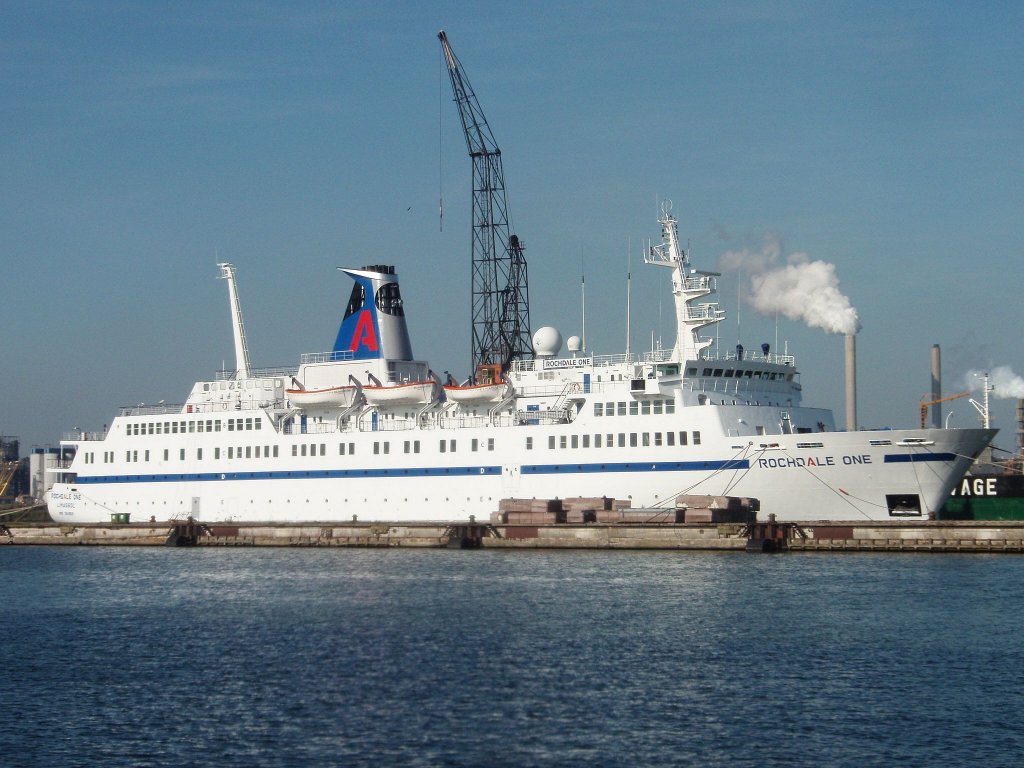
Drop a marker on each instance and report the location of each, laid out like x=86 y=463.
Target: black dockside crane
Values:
x=500 y=290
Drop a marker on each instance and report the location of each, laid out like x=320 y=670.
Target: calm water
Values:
x=173 y=657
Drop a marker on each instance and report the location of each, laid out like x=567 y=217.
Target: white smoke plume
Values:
x=1006 y=383
x=801 y=289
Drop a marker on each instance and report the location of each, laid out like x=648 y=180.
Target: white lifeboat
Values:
x=474 y=393
x=487 y=386
x=332 y=397
x=400 y=394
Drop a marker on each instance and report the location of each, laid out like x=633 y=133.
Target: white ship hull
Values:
x=645 y=429
x=847 y=476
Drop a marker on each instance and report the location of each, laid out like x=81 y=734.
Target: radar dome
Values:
x=574 y=344
x=547 y=341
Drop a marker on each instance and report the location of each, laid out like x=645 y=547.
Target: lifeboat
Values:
x=333 y=397
x=474 y=393
x=400 y=394
x=487 y=386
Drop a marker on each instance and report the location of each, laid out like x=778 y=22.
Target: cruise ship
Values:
x=367 y=432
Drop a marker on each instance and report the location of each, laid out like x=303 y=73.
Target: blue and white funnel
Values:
x=374 y=323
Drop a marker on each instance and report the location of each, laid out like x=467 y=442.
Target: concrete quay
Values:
x=897 y=536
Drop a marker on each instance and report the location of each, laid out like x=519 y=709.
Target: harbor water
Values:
x=315 y=657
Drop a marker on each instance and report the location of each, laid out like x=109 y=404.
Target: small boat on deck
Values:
x=487 y=386
x=400 y=394
x=332 y=397
x=474 y=393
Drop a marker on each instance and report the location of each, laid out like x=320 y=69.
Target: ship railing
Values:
x=327 y=357
x=709 y=312
x=185 y=409
x=311 y=428
x=603 y=360
x=272 y=372
x=83 y=435
x=752 y=355
x=142 y=409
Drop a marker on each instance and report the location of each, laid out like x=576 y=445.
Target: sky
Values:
x=143 y=142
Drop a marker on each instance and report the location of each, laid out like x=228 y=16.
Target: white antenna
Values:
x=739 y=291
x=629 y=262
x=227 y=271
x=583 y=291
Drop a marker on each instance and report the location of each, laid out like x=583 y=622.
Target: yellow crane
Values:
x=7 y=470
x=925 y=405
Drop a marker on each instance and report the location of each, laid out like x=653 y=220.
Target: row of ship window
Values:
x=635 y=408
x=183 y=427
x=608 y=440
x=729 y=373
x=249 y=451
x=620 y=440
x=303 y=449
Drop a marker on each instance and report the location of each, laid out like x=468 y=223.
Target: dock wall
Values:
x=932 y=536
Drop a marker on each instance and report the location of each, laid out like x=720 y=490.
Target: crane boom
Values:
x=499 y=281
x=925 y=405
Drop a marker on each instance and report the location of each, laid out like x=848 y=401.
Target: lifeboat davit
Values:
x=400 y=394
x=333 y=397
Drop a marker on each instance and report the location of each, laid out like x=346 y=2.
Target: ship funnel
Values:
x=851 y=382
x=373 y=326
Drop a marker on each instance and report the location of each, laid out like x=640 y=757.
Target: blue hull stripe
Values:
x=325 y=474
x=635 y=466
x=900 y=458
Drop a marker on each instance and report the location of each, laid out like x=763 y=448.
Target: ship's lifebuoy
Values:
x=576 y=388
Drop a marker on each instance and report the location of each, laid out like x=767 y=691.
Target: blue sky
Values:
x=143 y=141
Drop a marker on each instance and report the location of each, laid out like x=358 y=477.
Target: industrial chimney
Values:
x=936 y=387
x=851 y=383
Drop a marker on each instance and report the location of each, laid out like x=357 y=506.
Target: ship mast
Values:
x=227 y=272
x=688 y=285
x=500 y=290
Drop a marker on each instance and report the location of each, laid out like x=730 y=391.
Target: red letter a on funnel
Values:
x=364 y=334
